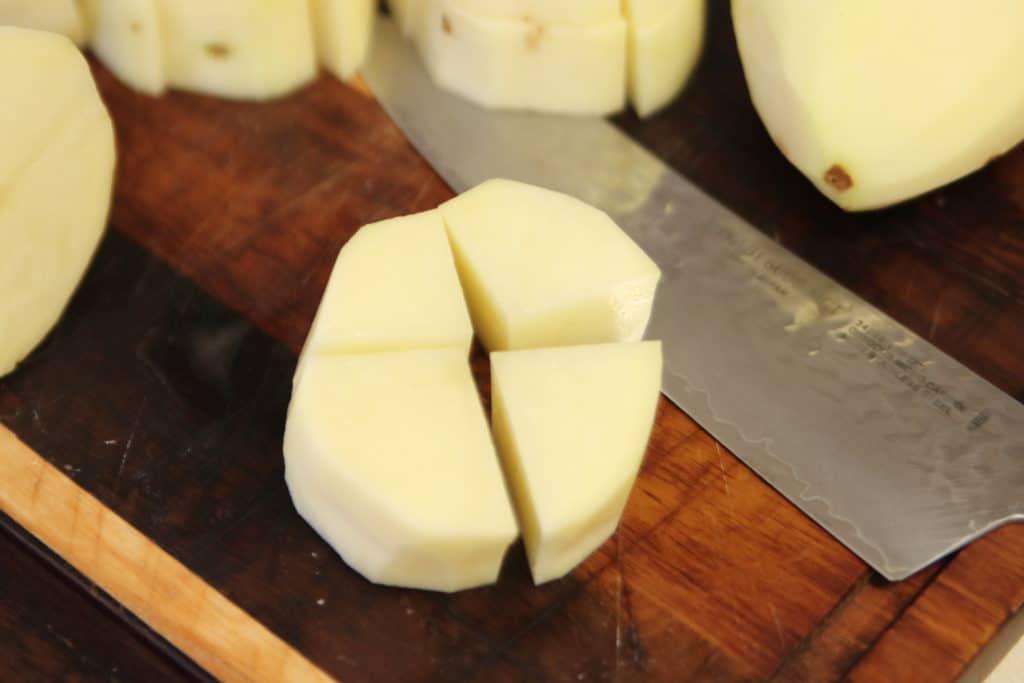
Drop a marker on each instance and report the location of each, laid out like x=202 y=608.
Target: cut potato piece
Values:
x=343 y=29
x=238 y=48
x=55 y=183
x=544 y=12
x=523 y=64
x=423 y=505
x=877 y=101
x=58 y=16
x=572 y=425
x=665 y=40
x=393 y=287
x=540 y=268
x=127 y=39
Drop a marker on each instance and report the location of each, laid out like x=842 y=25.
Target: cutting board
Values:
x=148 y=524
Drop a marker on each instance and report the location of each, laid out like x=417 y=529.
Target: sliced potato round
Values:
x=523 y=64
x=238 y=48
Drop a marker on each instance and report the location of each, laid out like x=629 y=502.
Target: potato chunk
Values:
x=540 y=268
x=417 y=501
x=56 y=175
x=572 y=425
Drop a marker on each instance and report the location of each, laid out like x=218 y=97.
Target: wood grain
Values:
x=137 y=573
x=165 y=398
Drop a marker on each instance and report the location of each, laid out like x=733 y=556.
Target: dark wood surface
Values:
x=163 y=392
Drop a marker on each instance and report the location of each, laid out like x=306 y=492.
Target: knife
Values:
x=893 y=447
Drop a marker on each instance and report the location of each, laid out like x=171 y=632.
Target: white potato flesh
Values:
x=421 y=504
x=238 y=48
x=393 y=287
x=343 y=29
x=517 y=64
x=58 y=16
x=572 y=425
x=545 y=12
x=876 y=101
x=56 y=175
x=540 y=268
x=665 y=41
x=127 y=39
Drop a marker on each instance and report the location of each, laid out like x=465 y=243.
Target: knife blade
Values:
x=893 y=447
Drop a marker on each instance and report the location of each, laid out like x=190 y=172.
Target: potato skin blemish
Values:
x=837 y=177
x=446 y=24
x=218 y=50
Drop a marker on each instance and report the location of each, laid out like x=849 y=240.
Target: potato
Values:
x=238 y=48
x=571 y=12
x=127 y=39
x=58 y=16
x=343 y=30
x=58 y=142
x=423 y=503
x=665 y=40
x=875 y=101
x=540 y=268
x=519 y=64
x=393 y=288
x=572 y=425
x=388 y=457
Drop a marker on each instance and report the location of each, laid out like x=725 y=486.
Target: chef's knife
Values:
x=896 y=449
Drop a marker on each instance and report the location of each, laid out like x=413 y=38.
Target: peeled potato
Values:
x=665 y=40
x=127 y=39
x=59 y=16
x=543 y=12
x=393 y=288
x=419 y=504
x=572 y=425
x=875 y=101
x=343 y=29
x=540 y=268
x=56 y=174
x=515 y=63
x=238 y=48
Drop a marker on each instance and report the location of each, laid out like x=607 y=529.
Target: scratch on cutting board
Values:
x=131 y=440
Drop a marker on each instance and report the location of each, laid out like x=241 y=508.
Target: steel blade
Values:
x=899 y=451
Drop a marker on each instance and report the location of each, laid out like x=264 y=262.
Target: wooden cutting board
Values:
x=141 y=443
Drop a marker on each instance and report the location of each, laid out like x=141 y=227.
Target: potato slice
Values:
x=58 y=16
x=56 y=175
x=127 y=39
x=344 y=29
x=665 y=40
x=540 y=268
x=572 y=425
x=878 y=101
x=519 y=64
x=419 y=504
x=393 y=287
x=238 y=48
